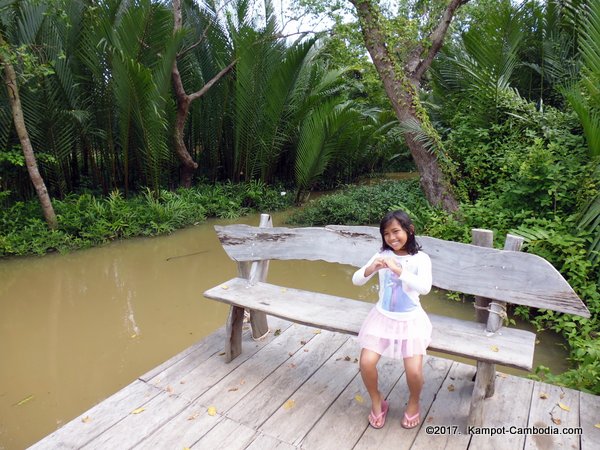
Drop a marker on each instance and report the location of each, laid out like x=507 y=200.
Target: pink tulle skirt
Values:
x=396 y=338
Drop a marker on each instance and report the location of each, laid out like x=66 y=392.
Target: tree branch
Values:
x=212 y=82
x=436 y=40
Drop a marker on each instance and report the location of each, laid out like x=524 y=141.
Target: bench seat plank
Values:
x=509 y=347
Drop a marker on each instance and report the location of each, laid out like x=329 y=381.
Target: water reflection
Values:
x=76 y=328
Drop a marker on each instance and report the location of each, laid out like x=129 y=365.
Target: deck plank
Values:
x=100 y=418
x=232 y=388
x=546 y=412
x=345 y=421
x=393 y=436
x=450 y=408
x=294 y=419
x=226 y=435
x=588 y=417
x=508 y=407
x=256 y=407
x=264 y=442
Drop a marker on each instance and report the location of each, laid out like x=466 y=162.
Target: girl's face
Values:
x=395 y=236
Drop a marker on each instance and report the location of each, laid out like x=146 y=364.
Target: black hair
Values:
x=411 y=246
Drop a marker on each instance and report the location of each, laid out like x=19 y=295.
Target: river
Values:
x=76 y=328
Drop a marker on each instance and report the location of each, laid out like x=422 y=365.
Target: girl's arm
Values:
x=421 y=281
x=359 y=278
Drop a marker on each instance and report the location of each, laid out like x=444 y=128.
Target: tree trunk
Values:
x=401 y=83
x=10 y=79
x=188 y=165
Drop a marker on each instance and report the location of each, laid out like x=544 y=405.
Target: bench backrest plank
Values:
x=513 y=277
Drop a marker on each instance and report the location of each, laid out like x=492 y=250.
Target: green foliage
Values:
x=85 y=220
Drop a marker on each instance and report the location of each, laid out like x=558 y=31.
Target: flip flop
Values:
x=408 y=419
x=373 y=419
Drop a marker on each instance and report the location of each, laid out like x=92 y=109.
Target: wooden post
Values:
x=258 y=272
x=482 y=238
x=486 y=373
x=253 y=272
x=498 y=308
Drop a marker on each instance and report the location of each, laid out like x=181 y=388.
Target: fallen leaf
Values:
x=224 y=286
x=317 y=332
x=305 y=349
x=86 y=419
x=562 y=395
x=429 y=419
x=494 y=348
x=302 y=342
x=451 y=387
x=289 y=404
x=169 y=389
x=133 y=336
x=193 y=416
x=359 y=398
x=222 y=354
x=355 y=360
x=277 y=332
x=543 y=395
x=233 y=389
x=347 y=358
x=212 y=411
x=290 y=353
x=293 y=366
x=243 y=382
x=182 y=382
x=563 y=407
x=25 y=400
x=597 y=425
x=137 y=411
x=556 y=420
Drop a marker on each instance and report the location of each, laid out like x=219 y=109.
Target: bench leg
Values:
x=484 y=388
x=233 y=330
x=259 y=324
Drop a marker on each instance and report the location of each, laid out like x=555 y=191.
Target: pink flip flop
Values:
x=373 y=419
x=408 y=419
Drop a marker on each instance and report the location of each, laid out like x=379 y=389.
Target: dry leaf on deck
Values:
x=494 y=348
x=317 y=332
x=224 y=286
x=347 y=358
x=222 y=354
x=556 y=420
x=169 y=389
x=212 y=411
x=563 y=407
x=137 y=411
x=193 y=416
x=543 y=395
x=277 y=332
x=597 y=425
x=289 y=404
x=451 y=387
x=359 y=398
x=86 y=419
x=233 y=389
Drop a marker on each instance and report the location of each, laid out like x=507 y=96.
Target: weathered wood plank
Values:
x=202 y=349
x=100 y=418
x=511 y=347
x=256 y=407
x=294 y=419
x=449 y=409
x=226 y=435
x=232 y=388
x=393 y=436
x=198 y=378
x=509 y=407
x=345 y=421
x=264 y=442
x=513 y=277
x=183 y=430
x=589 y=406
x=546 y=412
x=136 y=426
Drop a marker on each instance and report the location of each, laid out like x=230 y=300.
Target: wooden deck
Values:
x=301 y=388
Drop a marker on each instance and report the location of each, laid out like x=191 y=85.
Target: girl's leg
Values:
x=413 y=368
x=368 y=372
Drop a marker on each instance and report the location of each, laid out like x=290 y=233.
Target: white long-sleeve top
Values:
x=399 y=295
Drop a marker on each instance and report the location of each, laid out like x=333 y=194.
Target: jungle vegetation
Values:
x=143 y=116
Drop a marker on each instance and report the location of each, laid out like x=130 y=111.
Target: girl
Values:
x=397 y=326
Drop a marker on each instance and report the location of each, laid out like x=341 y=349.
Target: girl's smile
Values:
x=395 y=236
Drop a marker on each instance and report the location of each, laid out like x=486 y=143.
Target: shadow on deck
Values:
x=301 y=388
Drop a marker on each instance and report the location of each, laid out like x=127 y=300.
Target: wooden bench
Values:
x=506 y=276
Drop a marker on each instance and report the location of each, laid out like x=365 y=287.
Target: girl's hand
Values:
x=378 y=264
x=391 y=264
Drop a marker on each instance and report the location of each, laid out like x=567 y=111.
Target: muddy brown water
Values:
x=76 y=328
